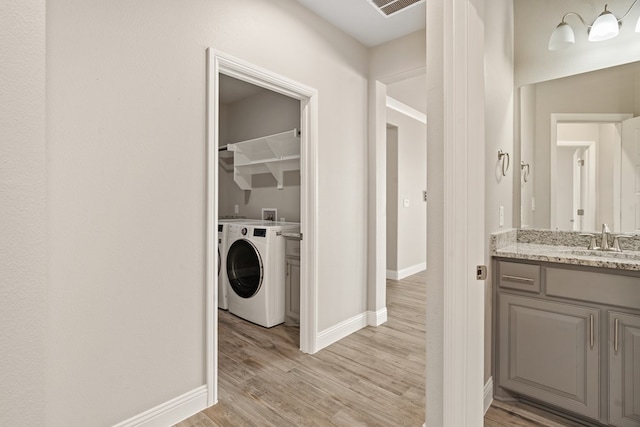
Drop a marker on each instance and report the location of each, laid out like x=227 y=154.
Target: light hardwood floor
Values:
x=374 y=377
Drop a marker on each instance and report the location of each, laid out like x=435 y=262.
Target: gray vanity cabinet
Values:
x=549 y=351
x=569 y=337
x=624 y=369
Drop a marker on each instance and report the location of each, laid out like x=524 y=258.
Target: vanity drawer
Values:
x=623 y=291
x=523 y=277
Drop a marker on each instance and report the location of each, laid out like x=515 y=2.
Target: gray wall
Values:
x=392 y=198
x=23 y=288
x=127 y=184
x=411 y=171
x=265 y=113
x=499 y=114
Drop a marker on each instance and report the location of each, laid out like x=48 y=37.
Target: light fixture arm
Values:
x=606 y=26
x=628 y=11
x=578 y=15
x=605 y=9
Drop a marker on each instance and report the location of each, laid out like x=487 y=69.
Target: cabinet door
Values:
x=624 y=370
x=549 y=351
x=292 y=292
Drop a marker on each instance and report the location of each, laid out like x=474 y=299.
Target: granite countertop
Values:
x=561 y=247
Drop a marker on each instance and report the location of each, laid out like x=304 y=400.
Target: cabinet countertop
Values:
x=569 y=255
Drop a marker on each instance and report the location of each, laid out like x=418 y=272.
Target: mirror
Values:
x=578 y=138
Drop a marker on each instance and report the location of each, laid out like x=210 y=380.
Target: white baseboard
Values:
x=377 y=318
x=406 y=272
x=341 y=330
x=171 y=412
x=488 y=394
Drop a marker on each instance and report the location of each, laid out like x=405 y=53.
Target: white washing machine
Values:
x=223 y=284
x=255 y=268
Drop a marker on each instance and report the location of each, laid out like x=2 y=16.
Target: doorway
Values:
x=406 y=178
x=220 y=64
x=585 y=155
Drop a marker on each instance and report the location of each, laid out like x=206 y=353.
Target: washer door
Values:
x=219 y=263
x=244 y=268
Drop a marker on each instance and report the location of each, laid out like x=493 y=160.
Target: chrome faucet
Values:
x=604 y=246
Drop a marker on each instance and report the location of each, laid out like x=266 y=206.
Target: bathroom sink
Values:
x=632 y=256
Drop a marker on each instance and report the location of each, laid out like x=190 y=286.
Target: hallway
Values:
x=374 y=377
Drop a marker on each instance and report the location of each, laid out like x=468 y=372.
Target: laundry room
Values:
x=259 y=197
x=250 y=113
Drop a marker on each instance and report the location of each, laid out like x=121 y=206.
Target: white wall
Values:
x=607 y=136
x=499 y=118
x=265 y=113
x=126 y=97
x=536 y=20
x=23 y=290
x=411 y=225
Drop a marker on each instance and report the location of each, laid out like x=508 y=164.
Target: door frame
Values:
x=557 y=118
x=588 y=203
x=221 y=63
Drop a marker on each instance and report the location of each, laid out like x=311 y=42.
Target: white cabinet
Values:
x=274 y=154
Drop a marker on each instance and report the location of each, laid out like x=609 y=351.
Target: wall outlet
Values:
x=501 y=219
x=533 y=204
x=236 y=209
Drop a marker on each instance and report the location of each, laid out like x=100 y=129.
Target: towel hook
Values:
x=501 y=156
x=525 y=170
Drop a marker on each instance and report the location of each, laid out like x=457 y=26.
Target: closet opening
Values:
x=262 y=135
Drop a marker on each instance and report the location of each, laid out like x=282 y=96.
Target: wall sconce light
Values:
x=606 y=26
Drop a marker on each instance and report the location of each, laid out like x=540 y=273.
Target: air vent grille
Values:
x=390 y=7
x=382 y=3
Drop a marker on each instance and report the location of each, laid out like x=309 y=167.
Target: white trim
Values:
x=456 y=164
x=211 y=314
x=572 y=118
x=217 y=63
x=171 y=412
x=341 y=330
x=402 y=108
x=406 y=272
x=377 y=318
x=488 y=394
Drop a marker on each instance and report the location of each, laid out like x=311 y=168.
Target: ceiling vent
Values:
x=391 y=7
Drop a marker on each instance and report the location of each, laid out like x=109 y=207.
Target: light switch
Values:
x=235 y=209
x=501 y=220
x=405 y=202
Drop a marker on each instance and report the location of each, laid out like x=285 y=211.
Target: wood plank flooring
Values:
x=374 y=377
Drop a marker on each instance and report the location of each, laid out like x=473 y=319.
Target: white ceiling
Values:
x=362 y=21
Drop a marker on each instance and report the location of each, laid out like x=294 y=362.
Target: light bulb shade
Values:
x=562 y=37
x=605 y=27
